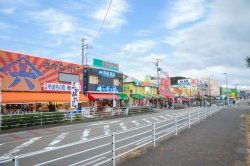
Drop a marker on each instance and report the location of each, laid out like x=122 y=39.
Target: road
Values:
x=24 y=142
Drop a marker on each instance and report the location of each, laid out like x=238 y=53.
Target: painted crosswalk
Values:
x=123 y=126
x=58 y=139
x=106 y=130
x=19 y=148
x=136 y=123
x=146 y=120
x=85 y=134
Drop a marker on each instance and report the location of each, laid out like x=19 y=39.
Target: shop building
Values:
x=30 y=83
x=103 y=85
x=140 y=92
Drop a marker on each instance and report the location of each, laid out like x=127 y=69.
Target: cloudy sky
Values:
x=191 y=38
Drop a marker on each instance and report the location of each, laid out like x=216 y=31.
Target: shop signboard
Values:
x=21 y=72
x=53 y=87
x=75 y=89
x=184 y=82
x=105 y=64
x=105 y=73
x=103 y=88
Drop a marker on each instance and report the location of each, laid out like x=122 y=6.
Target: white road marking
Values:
x=155 y=118
x=103 y=123
x=136 y=123
x=146 y=120
x=163 y=117
x=18 y=148
x=169 y=116
x=123 y=126
x=106 y=130
x=85 y=134
x=58 y=139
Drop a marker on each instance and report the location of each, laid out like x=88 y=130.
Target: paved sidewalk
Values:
x=217 y=141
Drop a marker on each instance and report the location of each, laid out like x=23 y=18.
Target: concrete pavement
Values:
x=217 y=141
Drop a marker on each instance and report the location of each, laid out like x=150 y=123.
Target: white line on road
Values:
x=85 y=134
x=106 y=130
x=136 y=123
x=89 y=163
x=155 y=118
x=18 y=148
x=123 y=126
x=58 y=139
x=103 y=123
x=163 y=117
x=146 y=120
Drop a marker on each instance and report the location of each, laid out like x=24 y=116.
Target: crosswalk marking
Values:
x=123 y=126
x=58 y=139
x=135 y=122
x=146 y=120
x=155 y=118
x=18 y=148
x=85 y=134
x=106 y=130
x=163 y=117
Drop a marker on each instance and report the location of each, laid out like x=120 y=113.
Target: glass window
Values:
x=93 y=79
x=116 y=82
x=126 y=88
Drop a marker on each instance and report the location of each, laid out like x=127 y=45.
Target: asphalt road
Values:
x=18 y=143
x=218 y=141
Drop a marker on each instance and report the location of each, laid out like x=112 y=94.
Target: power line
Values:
x=103 y=21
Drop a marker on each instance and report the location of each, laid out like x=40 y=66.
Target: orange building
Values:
x=29 y=82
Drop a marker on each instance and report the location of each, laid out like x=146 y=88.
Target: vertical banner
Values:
x=75 y=89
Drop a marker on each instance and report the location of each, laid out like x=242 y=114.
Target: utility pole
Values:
x=85 y=56
x=157 y=71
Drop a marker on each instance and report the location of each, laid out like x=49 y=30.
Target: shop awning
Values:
x=123 y=96
x=36 y=97
x=138 y=96
x=101 y=96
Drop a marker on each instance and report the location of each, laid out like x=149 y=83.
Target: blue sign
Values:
x=105 y=73
x=103 y=88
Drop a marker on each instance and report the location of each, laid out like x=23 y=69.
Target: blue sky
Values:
x=192 y=38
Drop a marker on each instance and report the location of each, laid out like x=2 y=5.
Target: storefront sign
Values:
x=103 y=88
x=20 y=72
x=75 y=89
x=105 y=73
x=105 y=64
x=56 y=87
x=148 y=84
x=184 y=82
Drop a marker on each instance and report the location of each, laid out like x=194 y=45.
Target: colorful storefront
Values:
x=103 y=85
x=140 y=92
x=32 y=83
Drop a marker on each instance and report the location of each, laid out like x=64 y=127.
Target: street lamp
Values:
x=227 y=90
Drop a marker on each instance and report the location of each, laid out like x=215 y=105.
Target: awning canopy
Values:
x=101 y=96
x=138 y=96
x=36 y=97
x=123 y=96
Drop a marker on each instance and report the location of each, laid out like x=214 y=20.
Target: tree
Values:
x=248 y=61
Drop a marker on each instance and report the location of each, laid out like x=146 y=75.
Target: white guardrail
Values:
x=110 y=148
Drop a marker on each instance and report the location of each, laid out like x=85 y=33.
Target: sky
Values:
x=191 y=38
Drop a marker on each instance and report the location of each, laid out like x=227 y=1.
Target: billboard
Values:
x=184 y=82
x=105 y=64
x=21 y=72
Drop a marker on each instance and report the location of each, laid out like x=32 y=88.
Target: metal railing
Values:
x=109 y=148
x=46 y=118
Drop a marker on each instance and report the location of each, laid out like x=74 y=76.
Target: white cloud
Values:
x=140 y=46
x=115 y=18
x=184 y=11
x=8 y=10
x=56 y=22
x=222 y=39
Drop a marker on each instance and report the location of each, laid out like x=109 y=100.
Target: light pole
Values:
x=236 y=94
x=227 y=90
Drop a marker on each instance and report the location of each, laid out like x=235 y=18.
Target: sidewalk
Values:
x=217 y=141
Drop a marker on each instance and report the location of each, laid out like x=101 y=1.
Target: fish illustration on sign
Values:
x=22 y=72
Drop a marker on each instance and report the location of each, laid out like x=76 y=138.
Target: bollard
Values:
x=113 y=147
x=16 y=159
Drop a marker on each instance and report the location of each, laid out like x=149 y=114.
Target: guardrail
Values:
x=46 y=118
x=109 y=148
